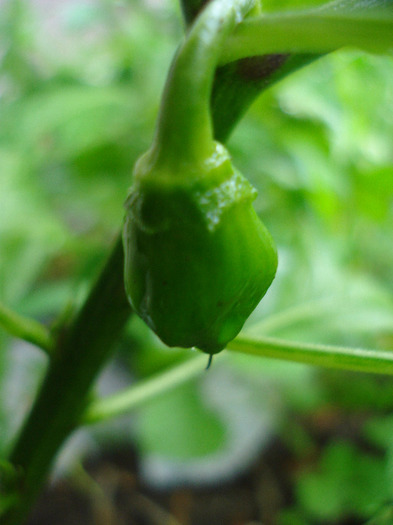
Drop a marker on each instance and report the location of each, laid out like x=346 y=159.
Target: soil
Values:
x=110 y=492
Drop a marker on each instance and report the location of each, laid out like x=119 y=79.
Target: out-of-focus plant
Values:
x=319 y=150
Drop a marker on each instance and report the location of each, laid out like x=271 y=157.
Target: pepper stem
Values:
x=184 y=131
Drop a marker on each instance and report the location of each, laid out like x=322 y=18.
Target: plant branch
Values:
x=27 y=329
x=343 y=358
x=78 y=359
x=143 y=391
x=238 y=84
x=308 y=33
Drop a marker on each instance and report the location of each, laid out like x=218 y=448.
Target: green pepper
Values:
x=197 y=258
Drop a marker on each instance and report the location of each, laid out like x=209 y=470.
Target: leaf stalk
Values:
x=339 y=357
x=308 y=33
x=27 y=329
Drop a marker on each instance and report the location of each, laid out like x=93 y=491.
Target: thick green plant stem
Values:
x=27 y=329
x=79 y=357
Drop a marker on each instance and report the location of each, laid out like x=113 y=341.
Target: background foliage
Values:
x=79 y=91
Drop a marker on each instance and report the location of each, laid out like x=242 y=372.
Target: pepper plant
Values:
x=193 y=257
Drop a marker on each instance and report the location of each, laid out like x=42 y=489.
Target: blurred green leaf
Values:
x=347 y=483
x=179 y=426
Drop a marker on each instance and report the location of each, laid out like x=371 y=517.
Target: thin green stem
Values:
x=308 y=33
x=343 y=358
x=143 y=391
x=27 y=329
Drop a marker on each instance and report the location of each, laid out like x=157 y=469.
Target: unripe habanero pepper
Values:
x=197 y=258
